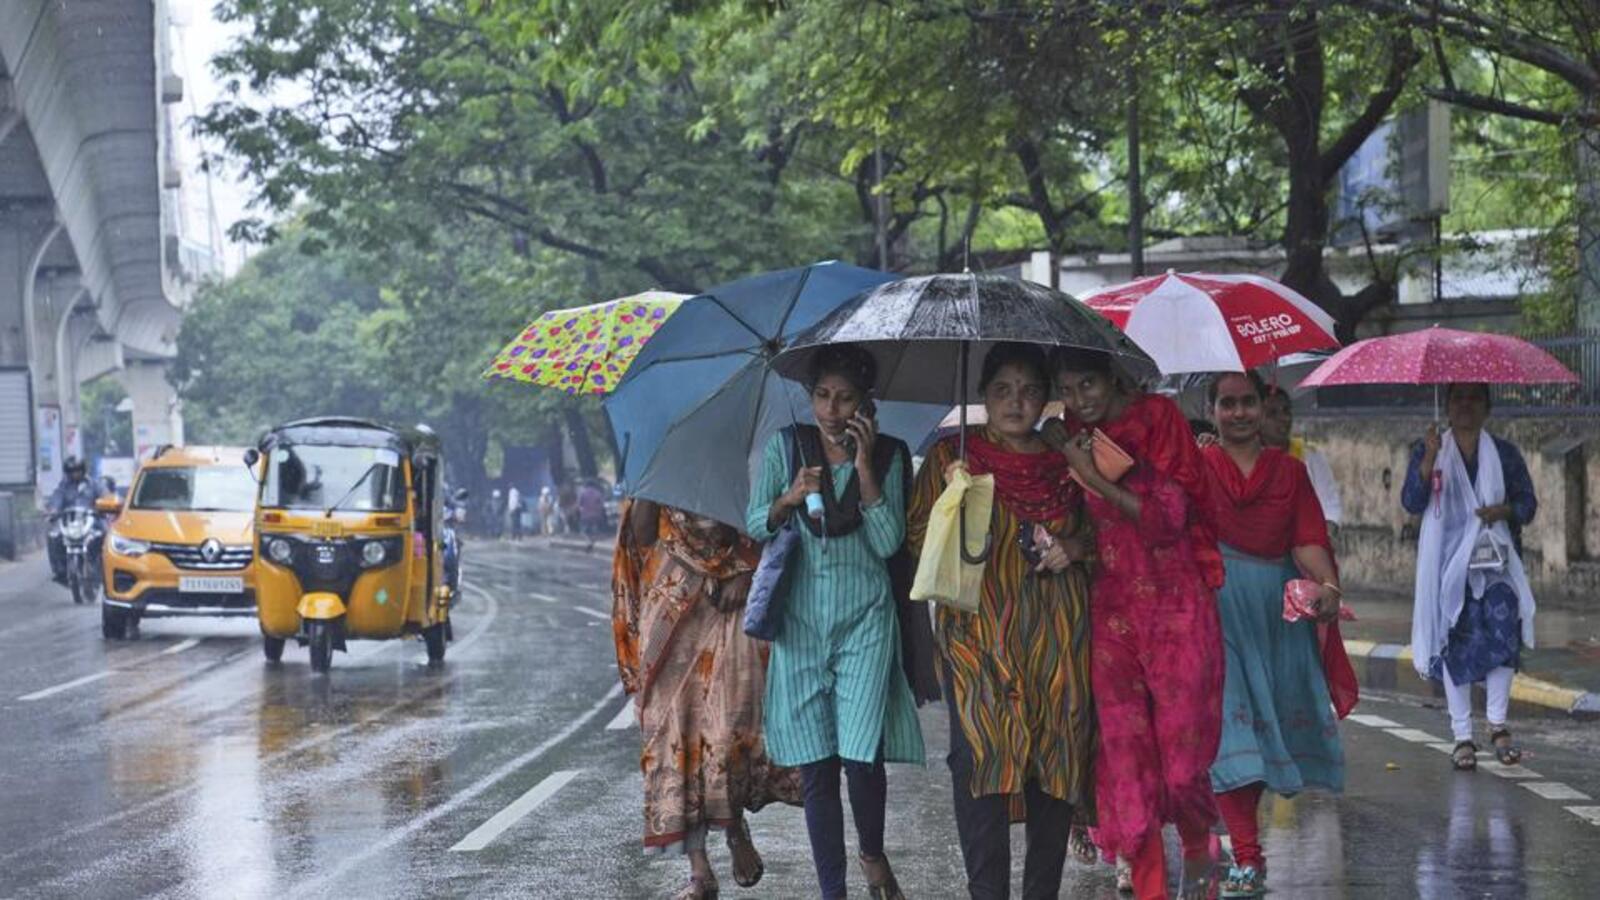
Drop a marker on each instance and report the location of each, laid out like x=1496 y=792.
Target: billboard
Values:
x=1398 y=180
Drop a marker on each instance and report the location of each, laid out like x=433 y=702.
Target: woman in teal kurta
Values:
x=837 y=696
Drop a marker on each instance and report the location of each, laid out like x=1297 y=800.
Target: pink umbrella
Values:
x=1198 y=322
x=1440 y=356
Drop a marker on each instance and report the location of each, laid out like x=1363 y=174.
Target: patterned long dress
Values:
x=1158 y=663
x=1020 y=664
x=835 y=686
x=696 y=679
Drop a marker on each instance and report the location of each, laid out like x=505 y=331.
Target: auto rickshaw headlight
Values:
x=128 y=546
x=280 y=551
x=373 y=554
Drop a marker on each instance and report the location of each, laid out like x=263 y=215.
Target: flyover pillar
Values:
x=156 y=417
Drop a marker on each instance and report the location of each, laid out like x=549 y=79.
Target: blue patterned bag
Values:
x=763 y=610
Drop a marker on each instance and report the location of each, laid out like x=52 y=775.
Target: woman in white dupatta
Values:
x=1473 y=608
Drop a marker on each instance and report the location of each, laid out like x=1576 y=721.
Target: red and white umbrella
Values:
x=1199 y=322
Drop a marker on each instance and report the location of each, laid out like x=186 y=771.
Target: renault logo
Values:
x=211 y=550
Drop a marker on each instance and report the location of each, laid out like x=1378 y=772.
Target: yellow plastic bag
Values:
x=942 y=575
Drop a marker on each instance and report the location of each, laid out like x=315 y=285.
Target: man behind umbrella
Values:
x=75 y=490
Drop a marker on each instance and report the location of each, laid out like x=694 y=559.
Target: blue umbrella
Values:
x=694 y=412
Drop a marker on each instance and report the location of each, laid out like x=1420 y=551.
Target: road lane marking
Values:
x=545 y=597
x=593 y=612
x=98 y=676
x=1413 y=735
x=1374 y=721
x=626 y=717
x=1555 y=790
x=318 y=884
x=1512 y=772
x=484 y=834
x=66 y=686
x=1589 y=813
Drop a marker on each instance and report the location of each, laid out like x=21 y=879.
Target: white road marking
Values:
x=626 y=717
x=357 y=857
x=545 y=597
x=66 y=686
x=181 y=646
x=98 y=676
x=1373 y=721
x=485 y=834
x=1590 y=813
x=1555 y=790
x=1413 y=735
x=592 y=612
x=1512 y=771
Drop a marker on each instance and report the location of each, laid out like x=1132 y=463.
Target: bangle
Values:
x=1333 y=587
x=874 y=504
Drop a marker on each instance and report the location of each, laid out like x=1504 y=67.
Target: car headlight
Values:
x=373 y=554
x=280 y=551
x=123 y=546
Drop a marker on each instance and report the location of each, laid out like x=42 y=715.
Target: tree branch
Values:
x=1507 y=108
x=1403 y=56
x=1489 y=34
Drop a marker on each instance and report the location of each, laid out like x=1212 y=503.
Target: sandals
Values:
x=1082 y=847
x=1124 y=876
x=881 y=884
x=698 y=889
x=1198 y=877
x=1243 y=881
x=1505 y=749
x=747 y=865
x=1465 y=756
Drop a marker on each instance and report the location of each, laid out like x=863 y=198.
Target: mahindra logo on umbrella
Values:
x=211 y=550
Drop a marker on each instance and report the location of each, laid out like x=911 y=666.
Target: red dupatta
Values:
x=1268 y=514
x=1037 y=487
x=1154 y=432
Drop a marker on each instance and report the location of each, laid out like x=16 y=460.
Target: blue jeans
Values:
x=869 y=793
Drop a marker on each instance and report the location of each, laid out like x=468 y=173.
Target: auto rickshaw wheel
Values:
x=272 y=647
x=319 y=635
x=113 y=623
x=434 y=637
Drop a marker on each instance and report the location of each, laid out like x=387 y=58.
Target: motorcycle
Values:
x=81 y=535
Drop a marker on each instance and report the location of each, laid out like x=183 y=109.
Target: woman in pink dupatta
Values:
x=1157 y=662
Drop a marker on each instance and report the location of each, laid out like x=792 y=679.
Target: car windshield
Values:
x=222 y=488
x=324 y=477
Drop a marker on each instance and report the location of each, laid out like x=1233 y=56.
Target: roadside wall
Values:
x=1561 y=547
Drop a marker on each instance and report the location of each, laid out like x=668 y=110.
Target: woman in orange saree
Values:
x=679 y=583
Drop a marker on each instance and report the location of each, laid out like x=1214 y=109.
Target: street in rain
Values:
x=896 y=450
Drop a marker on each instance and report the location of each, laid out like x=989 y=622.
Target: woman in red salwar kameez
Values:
x=1157 y=662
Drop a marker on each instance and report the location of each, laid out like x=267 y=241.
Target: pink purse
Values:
x=1300 y=601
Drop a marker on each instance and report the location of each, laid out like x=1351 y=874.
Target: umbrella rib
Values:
x=794 y=298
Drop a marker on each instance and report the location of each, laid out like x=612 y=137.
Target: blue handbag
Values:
x=763 y=609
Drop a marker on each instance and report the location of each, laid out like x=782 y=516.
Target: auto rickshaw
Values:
x=348 y=530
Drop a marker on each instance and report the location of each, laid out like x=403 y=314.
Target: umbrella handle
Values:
x=988 y=541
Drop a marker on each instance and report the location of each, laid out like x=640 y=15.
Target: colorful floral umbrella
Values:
x=587 y=349
x=1199 y=322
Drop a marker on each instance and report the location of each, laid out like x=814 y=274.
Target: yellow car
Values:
x=184 y=542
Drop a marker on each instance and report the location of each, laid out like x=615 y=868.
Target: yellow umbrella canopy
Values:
x=586 y=349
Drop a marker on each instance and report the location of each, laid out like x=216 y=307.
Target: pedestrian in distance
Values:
x=1279 y=727
x=679 y=584
x=514 y=512
x=592 y=512
x=1473 y=608
x=1157 y=663
x=837 y=695
x=1016 y=671
x=1277 y=430
x=497 y=514
x=547 y=511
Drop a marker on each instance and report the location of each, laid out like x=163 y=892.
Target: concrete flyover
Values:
x=91 y=282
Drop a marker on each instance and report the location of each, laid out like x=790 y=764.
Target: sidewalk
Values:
x=1561 y=674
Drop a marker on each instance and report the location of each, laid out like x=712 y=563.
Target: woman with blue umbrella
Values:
x=837 y=697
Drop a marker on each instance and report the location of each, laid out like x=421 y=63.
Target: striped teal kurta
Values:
x=835 y=686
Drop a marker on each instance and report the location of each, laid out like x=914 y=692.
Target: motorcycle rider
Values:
x=76 y=489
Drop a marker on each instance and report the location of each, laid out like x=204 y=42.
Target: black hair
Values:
x=851 y=362
x=1198 y=427
x=1013 y=353
x=1255 y=379
x=1488 y=395
x=1078 y=359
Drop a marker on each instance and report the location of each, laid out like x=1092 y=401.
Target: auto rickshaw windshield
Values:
x=324 y=477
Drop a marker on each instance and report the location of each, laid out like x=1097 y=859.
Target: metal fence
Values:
x=1579 y=351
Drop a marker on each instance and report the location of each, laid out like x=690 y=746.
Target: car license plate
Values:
x=210 y=585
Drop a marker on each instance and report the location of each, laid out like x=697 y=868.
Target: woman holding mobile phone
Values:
x=837 y=696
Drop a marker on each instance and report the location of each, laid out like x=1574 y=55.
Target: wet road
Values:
x=182 y=765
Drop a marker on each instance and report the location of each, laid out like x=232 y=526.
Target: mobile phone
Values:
x=1025 y=544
